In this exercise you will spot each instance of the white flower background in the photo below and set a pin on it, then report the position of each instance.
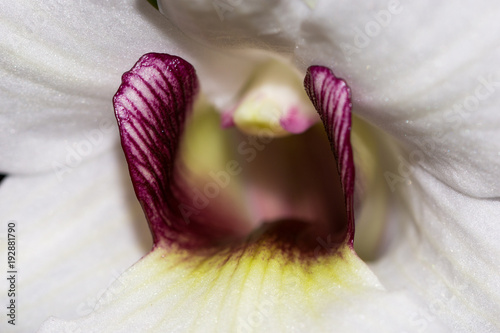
(425, 79)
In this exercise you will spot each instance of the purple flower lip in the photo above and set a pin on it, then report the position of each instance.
(152, 106)
(332, 99)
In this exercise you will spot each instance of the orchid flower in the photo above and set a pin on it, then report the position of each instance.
(418, 177)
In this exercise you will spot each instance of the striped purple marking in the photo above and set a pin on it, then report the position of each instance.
(332, 99)
(151, 107)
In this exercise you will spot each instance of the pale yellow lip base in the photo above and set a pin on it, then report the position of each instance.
(244, 291)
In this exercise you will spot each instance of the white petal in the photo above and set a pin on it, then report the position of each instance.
(448, 255)
(73, 238)
(61, 62)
